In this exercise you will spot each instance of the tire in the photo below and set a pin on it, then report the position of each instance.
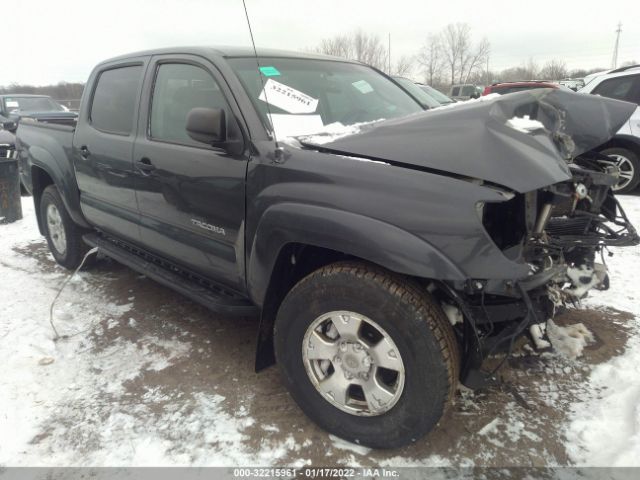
(628, 162)
(417, 328)
(61, 231)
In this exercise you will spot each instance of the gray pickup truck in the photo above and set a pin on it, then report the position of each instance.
(385, 253)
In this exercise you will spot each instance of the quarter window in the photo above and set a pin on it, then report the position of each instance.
(620, 88)
(115, 99)
(178, 89)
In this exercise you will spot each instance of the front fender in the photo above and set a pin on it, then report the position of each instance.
(353, 234)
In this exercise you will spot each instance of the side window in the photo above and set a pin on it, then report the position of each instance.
(635, 98)
(115, 99)
(620, 88)
(179, 88)
(467, 91)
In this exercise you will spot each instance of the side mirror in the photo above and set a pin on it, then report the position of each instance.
(207, 125)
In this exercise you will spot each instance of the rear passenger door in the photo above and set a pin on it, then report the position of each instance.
(191, 195)
(103, 147)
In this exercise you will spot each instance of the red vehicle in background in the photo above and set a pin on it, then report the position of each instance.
(510, 87)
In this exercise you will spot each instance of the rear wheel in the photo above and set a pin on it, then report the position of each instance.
(366, 354)
(629, 165)
(63, 236)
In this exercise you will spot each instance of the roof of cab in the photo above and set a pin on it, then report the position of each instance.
(227, 52)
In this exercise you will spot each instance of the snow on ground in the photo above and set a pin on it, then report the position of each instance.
(604, 428)
(73, 401)
(68, 387)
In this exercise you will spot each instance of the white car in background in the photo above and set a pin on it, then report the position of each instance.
(623, 149)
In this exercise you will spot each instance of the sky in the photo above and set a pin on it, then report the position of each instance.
(48, 41)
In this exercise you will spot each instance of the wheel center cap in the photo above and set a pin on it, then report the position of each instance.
(354, 360)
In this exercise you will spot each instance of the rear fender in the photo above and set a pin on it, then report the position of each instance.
(42, 161)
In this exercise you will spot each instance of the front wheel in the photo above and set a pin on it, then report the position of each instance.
(366, 354)
(629, 166)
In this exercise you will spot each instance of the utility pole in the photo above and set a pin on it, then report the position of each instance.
(614, 61)
(389, 53)
(488, 79)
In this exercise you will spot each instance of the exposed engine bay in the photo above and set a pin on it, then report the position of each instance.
(563, 233)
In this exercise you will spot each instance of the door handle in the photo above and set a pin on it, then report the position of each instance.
(84, 152)
(145, 165)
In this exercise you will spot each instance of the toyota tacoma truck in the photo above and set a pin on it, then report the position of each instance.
(385, 254)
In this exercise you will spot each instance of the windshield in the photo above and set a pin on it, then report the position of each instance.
(439, 96)
(416, 92)
(31, 104)
(306, 95)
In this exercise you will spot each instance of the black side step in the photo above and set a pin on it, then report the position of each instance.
(191, 285)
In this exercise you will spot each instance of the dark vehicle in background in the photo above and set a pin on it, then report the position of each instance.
(7, 144)
(385, 254)
(41, 108)
(503, 88)
(426, 100)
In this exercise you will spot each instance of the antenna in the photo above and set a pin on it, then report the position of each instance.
(266, 99)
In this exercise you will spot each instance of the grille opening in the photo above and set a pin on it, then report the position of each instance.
(506, 222)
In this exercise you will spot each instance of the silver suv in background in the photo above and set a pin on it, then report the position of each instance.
(624, 148)
(465, 91)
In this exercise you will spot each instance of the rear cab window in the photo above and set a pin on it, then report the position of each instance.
(115, 98)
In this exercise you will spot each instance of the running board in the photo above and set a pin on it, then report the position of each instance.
(189, 284)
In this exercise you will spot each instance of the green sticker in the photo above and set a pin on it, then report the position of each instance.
(269, 71)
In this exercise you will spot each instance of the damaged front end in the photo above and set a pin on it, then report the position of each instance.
(562, 232)
(554, 219)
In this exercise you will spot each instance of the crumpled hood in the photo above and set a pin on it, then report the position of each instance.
(475, 139)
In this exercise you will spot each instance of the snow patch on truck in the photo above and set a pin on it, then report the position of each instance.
(524, 124)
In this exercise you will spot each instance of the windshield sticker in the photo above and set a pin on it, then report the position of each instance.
(363, 86)
(287, 98)
(270, 71)
(12, 104)
(293, 125)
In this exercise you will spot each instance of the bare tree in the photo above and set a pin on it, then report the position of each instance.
(474, 61)
(339, 46)
(460, 56)
(554, 70)
(430, 58)
(527, 71)
(455, 38)
(369, 49)
(404, 66)
(359, 46)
